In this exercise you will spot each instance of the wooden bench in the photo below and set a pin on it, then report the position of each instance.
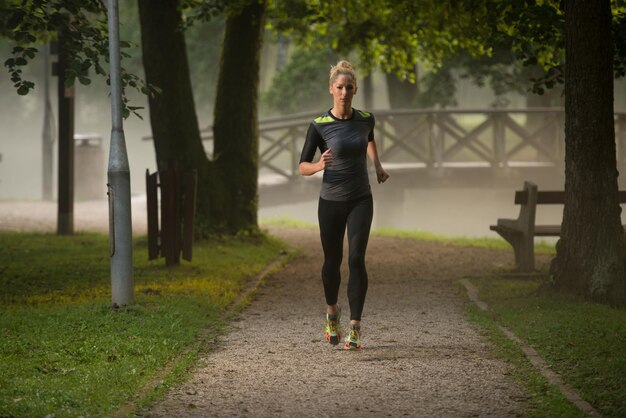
(520, 232)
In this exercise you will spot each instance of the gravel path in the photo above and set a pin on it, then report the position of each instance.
(92, 215)
(421, 358)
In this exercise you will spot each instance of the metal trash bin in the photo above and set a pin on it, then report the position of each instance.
(89, 170)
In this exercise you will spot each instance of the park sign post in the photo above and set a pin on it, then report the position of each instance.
(118, 174)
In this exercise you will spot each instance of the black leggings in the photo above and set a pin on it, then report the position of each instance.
(333, 219)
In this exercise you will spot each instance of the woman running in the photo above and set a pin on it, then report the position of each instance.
(344, 136)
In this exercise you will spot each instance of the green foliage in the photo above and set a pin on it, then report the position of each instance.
(619, 37)
(65, 352)
(202, 10)
(582, 341)
(392, 34)
(532, 34)
(304, 78)
(534, 31)
(20, 58)
(83, 27)
(207, 10)
(505, 36)
(437, 88)
(501, 72)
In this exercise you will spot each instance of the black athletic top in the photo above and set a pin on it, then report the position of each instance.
(346, 179)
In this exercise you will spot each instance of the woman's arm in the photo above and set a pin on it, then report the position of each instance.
(312, 143)
(372, 152)
(307, 169)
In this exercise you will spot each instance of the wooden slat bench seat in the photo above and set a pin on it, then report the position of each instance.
(520, 232)
(547, 230)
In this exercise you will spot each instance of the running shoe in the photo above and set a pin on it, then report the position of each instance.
(333, 328)
(353, 339)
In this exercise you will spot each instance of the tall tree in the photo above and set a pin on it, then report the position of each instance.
(227, 185)
(591, 252)
(235, 124)
(172, 112)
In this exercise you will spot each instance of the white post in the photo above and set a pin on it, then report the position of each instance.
(120, 224)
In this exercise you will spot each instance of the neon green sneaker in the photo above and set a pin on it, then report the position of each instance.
(353, 339)
(333, 328)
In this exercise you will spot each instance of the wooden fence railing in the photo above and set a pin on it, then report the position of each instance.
(414, 138)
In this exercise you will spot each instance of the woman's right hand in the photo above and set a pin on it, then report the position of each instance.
(308, 169)
(326, 160)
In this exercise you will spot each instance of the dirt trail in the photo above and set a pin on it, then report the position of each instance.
(92, 215)
(421, 357)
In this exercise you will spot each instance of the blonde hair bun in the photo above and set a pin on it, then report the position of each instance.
(344, 64)
(343, 67)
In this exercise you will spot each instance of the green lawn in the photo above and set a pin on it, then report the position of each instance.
(65, 352)
(584, 342)
(541, 247)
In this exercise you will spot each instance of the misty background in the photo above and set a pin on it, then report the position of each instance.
(292, 81)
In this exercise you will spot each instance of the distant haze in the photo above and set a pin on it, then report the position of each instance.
(451, 211)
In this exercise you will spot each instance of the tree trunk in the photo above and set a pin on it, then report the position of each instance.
(235, 126)
(590, 254)
(367, 90)
(66, 147)
(534, 121)
(402, 94)
(172, 112)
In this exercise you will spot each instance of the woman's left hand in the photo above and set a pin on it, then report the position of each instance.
(381, 175)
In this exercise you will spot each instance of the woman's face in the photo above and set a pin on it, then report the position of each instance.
(343, 89)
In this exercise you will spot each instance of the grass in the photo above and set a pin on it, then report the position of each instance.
(582, 341)
(65, 352)
(541, 247)
(287, 222)
(544, 399)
